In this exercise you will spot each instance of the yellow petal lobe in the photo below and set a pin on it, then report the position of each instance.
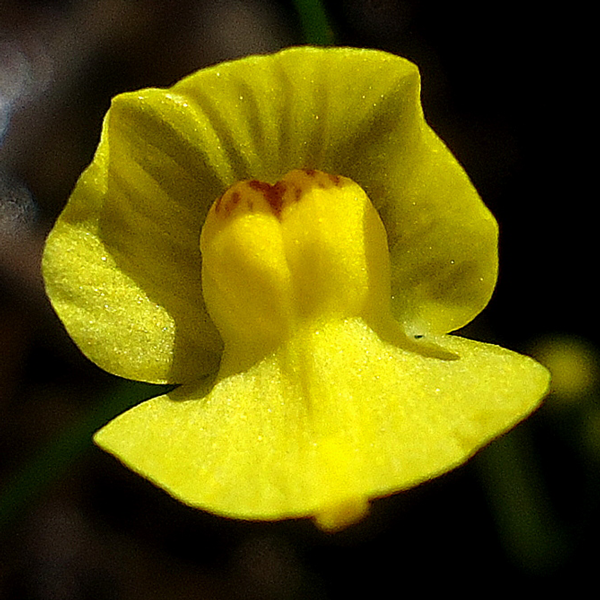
(332, 418)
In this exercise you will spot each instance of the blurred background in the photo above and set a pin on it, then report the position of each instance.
(506, 86)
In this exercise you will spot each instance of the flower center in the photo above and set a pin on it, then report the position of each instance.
(280, 257)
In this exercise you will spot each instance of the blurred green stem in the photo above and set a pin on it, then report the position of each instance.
(315, 25)
(528, 526)
(55, 458)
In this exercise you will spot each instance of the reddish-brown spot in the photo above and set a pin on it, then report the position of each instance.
(322, 179)
(260, 186)
(273, 194)
(232, 202)
(335, 179)
(227, 202)
(218, 204)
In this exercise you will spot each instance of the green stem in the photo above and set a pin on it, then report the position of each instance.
(526, 521)
(55, 458)
(315, 25)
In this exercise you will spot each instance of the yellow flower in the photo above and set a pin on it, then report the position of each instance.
(305, 314)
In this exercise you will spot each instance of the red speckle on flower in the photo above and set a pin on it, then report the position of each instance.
(273, 194)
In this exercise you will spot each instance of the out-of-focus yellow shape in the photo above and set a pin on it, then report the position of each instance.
(573, 363)
(304, 313)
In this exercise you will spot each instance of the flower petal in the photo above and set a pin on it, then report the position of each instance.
(123, 265)
(335, 416)
(357, 113)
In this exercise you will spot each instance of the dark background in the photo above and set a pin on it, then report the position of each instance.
(506, 86)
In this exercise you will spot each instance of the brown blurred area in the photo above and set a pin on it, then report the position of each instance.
(100, 532)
